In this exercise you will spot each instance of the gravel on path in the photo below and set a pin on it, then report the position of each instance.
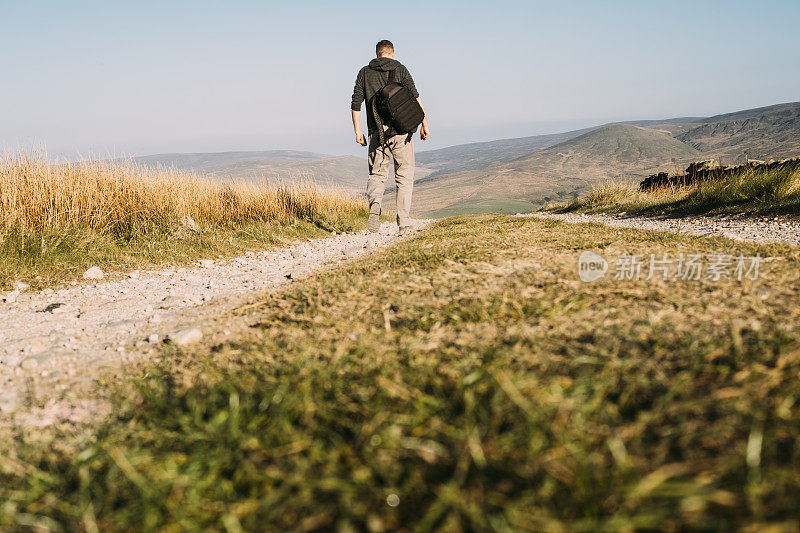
(760, 230)
(56, 341)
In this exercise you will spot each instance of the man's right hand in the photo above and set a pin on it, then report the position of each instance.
(360, 139)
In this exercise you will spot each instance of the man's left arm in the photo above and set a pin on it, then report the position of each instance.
(408, 81)
(423, 131)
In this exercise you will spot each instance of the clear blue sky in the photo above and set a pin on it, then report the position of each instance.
(114, 77)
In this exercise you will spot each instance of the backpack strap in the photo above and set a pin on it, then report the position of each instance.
(377, 116)
(378, 122)
(378, 119)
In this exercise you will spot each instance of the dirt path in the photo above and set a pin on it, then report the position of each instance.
(761, 230)
(55, 341)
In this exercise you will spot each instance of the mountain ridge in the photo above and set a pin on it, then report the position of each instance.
(493, 175)
(769, 132)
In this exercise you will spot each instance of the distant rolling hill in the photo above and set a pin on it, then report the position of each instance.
(510, 175)
(482, 154)
(489, 179)
(346, 172)
(618, 151)
(766, 133)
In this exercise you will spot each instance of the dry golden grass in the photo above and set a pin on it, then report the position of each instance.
(124, 199)
(755, 192)
(57, 220)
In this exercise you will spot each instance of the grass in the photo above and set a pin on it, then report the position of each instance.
(461, 380)
(57, 220)
(755, 192)
(466, 207)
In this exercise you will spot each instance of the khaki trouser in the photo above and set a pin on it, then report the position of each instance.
(402, 148)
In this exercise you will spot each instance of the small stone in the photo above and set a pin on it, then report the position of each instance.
(134, 275)
(153, 338)
(206, 263)
(11, 297)
(29, 364)
(190, 224)
(20, 286)
(93, 273)
(61, 308)
(296, 253)
(186, 336)
(52, 307)
(170, 301)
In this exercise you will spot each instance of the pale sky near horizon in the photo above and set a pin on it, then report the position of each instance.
(133, 78)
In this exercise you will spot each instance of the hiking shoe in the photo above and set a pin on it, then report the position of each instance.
(374, 220)
(404, 230)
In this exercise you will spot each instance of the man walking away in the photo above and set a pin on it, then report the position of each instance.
(385, 144)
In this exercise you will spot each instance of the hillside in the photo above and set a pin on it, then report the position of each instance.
(624, 150)
(347, 172)
(560, 171)
(621, 143)
(482, 154)
(765, 133)
(511, 175)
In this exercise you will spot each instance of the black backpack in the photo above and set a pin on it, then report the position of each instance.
(397, 108)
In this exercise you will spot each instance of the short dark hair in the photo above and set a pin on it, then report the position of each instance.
(384, 47)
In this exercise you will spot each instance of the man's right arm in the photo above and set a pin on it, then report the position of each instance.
(360, 139)
(355, 107)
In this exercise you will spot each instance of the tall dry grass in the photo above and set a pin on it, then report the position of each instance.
(126, 200)
(756, 191)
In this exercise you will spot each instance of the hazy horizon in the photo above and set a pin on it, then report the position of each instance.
(91, 78)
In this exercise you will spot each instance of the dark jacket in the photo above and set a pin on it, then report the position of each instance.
(372, 78)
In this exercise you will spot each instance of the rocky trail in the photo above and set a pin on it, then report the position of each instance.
(58, 341)
(760, 230)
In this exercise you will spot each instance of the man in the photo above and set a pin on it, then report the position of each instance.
(370, 80)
